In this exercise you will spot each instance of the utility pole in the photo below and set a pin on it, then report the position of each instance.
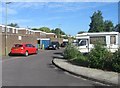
(6, 10)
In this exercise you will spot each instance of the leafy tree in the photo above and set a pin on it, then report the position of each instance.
(97, 23)
(45, 29)
(80, 32)
(13, 25)
(58, 32)
(34, 29)
(117, 28)
(108, 26)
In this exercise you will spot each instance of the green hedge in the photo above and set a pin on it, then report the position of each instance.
(99, 58)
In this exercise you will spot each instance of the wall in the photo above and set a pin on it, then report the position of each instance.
(60, 40)
(13, 39)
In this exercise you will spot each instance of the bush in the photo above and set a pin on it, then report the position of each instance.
(81, 60)
(116, 61)
(71, 52)
(99, 56)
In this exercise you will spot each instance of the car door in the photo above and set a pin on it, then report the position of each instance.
(83, 46)
(33, 49)
(28, 48)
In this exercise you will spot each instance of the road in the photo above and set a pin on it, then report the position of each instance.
(38, 70)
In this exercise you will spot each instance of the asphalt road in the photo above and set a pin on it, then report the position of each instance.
(38, 70)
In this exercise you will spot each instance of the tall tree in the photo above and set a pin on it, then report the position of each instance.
(117, 28)
(108, 26)
(97, 23)
(13, 25)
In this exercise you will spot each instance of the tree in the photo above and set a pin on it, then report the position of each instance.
(58, 32)
(117, 28)
(97, 23)
(13, 25)
(45, 29)
(35, 29)
(80, 32)
(108, 26)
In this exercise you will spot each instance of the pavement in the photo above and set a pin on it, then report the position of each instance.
(106, 77)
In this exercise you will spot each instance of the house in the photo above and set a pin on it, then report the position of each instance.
(51, 35)
(10, 30)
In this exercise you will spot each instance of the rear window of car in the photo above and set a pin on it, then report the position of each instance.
(18, 45)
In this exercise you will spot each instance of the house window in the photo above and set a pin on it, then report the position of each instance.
(112, 40)
(95, 39)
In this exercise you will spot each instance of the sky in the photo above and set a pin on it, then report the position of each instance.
(71, 17)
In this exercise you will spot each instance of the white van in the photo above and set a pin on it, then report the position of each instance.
(86, 41)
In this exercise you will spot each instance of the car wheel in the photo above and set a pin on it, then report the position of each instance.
(26, 53)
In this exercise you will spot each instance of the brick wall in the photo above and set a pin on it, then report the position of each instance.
(50, 36)
(13, 39)
(60, 40)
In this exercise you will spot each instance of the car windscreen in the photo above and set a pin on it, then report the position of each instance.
(18, 45)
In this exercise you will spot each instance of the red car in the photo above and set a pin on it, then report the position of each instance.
(24, 49)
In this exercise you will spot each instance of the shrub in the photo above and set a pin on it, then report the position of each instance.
(98, 56)
(116, 61)
(71, 52)
(82, 60)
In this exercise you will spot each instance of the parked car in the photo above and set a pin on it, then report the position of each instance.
(24, 49)
(54, 45)
(64, 44)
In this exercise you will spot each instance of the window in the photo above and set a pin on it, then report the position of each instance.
(18, 45)
(82, 43)
(112, 40)
(29, 45)
(95, 39)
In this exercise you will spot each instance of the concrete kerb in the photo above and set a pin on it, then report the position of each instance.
(89, 77)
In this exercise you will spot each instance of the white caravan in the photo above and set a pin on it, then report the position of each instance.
(86, 41)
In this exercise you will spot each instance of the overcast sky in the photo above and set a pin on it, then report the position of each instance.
(71, 17)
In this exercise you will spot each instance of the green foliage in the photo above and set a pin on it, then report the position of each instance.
(81, 60)
(97, 23)
(116, 61)
(96, 56)
(45, 29)
(117, 28)
(13, 25)
(80, 32)
(71, 52)
(108, 26)
(58, 32)
(99, 57)
(34, 29)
